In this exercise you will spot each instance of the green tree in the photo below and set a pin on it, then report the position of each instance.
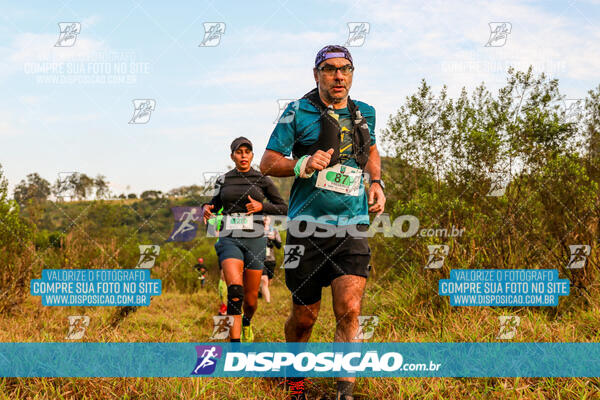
(192, 191)
(84, 186)
(151, 194)
(446, 154)
(77, 185)
(16, 251)
(101, 185)
(33, 188)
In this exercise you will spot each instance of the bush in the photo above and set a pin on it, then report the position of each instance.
(17, 252)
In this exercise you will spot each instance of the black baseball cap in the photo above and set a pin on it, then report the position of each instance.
(241, 141)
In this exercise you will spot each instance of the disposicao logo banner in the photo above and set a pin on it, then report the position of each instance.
(299, 359)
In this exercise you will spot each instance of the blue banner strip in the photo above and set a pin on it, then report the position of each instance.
(95, 287)
(296, 359)
(504, 287)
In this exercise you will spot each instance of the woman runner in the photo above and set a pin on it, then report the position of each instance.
(241, 245)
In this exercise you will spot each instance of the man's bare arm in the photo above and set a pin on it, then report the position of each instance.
(373, 166)
(376, 198)
(275, 164)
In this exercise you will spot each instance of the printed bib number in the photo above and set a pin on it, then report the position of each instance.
(269, 251)
(238, 221)
(340, 178)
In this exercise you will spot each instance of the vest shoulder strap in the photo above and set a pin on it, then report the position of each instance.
(329, 137)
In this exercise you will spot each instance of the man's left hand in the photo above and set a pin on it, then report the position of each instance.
(376, 198)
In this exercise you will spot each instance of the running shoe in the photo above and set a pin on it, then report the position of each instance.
(223, 309)
(295, 388)
(247, 334)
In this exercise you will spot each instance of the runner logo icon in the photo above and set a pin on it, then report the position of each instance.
(207, 359)
(148, 254)
(357, 33)
(68, 34)
(291, 255)
(499, 32)
(221, 326)
(142, 110)
(579, 255)
(212, 34)
(437, 254)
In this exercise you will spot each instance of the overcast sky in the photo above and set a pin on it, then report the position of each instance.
(67, 108)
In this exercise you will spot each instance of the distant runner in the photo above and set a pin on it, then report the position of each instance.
(273, 240)
(201, 270)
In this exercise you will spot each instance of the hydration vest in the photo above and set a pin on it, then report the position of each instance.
(330, 135)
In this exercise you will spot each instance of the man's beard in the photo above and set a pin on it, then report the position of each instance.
(336, 100)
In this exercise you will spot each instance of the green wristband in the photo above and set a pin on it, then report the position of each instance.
(298, 165)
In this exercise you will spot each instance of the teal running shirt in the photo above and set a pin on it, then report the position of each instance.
(300, 122)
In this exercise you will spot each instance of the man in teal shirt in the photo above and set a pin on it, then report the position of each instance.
(332, 141)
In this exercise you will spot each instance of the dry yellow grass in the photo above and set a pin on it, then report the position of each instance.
(414, 313)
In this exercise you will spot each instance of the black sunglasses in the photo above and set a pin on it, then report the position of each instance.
(331, 70)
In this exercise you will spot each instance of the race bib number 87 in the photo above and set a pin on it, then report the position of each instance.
(340, 178)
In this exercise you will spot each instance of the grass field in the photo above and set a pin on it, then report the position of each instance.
(415, 313)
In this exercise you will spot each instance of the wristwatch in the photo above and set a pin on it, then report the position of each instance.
(378, 181)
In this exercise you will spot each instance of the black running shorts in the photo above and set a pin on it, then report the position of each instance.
(324, 259)
(269, 269)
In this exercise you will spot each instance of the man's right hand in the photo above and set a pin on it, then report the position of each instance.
(319, 161)
(207, 213)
